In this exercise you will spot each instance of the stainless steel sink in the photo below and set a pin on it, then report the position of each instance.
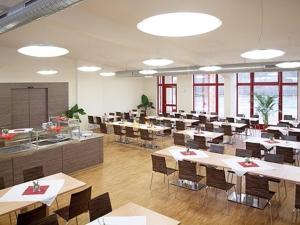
(49, 142)
(13, 149)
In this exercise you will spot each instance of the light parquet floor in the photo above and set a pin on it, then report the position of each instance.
(126, 172)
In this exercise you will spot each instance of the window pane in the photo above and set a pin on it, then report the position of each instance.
(220, 79)
(290, 77)
(289, 100)
(244, 100)
(268, 91)
(266, 77)
(243, 77)
(221, 100)
(205, 98)
(205, 78)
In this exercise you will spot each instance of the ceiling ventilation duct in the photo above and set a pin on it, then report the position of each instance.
(30, 10)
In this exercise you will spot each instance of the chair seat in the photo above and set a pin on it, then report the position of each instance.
(63, 213)
(198, 178)
(170, 171)
(274, 180)
(148, 139)
(133, 136)
(268, 196)
(225, 187)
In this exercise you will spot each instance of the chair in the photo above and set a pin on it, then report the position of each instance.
(145, 136)
(275, 158)
(228, 131)
(130, 133)
(2, 184)
(180, 125)
(230, 119)
(215, 178)
(216, 148)
(98, 120)
(202, 112)
(177, 115)
(288, 117)
(240, 115)
(220, 139)
(287, 152)
(266, 135)
(201, 141)
(111, 114)
(118, 131)
(33, 173)
(79, 204)
(181, 111)
(159, 166)
(289, 138)
(49, 220)
(142, 120)
(179, 139)
(99, 206)
(187, 171)
(32, 216)
(91, 121)
(255, 148)
(103, 128)
(189, 116)
(126, 115)
(283, 124)
(258, 187)
(209, 127)
(202, 119)
(277, 134)
(297, 203)
(295, 133)
(119, 114)
(254, 124)
(193, 112)
(192, 144)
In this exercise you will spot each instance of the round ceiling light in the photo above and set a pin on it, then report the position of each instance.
(262, 54)
(288, 65)
(88, 68)
(43, 51)
(179, 24)
(107, 74)
(47, 72)
(158, 62)
(148, 72)
(210, 68)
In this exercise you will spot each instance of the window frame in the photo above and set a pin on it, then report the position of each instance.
(161, 99)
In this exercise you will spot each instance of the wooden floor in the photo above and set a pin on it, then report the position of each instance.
(126, 172)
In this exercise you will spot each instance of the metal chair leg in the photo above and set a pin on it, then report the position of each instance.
(168, 185)
(10, 219)
(271, 217)
(151, 181)
(76, 221)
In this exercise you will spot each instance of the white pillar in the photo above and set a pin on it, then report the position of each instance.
(229, 94)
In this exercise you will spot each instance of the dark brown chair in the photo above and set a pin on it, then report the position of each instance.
(258, 187)
(159, 166)
(215, 178)
(216, 148)
(111, 114)
(202, 119)
(179, 139)
(145, 136)
(187, 171)
(228, 131)
(266, 135)
(119, 114)
(288, 117)
(277, 134)
(240, 115)
(79, 204)
(118, 132)
(193, 111)
(209, 127)
(177, 115)
(99, 206)
(287, 152)
(91, 120)
(126, 115)
(180, 125)
(243, 153)
(275, 158)
(297, 203)
(103, 128)
(189, 116)
(294, 133)
(49, 220)
(32, 216)
(230, 119)
(202, 142)
(130, 134)
(33, 173)
(2, 184)
(98, 120)
(192, 144)
(255, 148)
(289, 138)
(142, 120)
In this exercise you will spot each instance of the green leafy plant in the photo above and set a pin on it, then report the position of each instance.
(75, 112)
(145, 103)
(265, 106)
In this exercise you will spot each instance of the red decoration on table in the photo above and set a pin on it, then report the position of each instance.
(189, 153)
(272, 142)
(7, 137)
(57, 129)
(60, 118)
(30, 191)
(248, 164)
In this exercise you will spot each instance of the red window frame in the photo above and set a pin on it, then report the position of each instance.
(215, 84)
(162, 98)
(279, 83)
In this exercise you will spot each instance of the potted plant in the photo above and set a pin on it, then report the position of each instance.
(145, 103)
(265, 106)
(75, 112)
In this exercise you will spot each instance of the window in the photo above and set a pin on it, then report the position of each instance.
(166, 94)
(209, 93)
(282, 85)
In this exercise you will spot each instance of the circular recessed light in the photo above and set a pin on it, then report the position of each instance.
(262, 54)
(88, 68)
(108, 74)
(288, 65)
(47, 72)
(179, 24)
(148, 72)
(210, 68)
(43, 51)
(158, 62)
(148, 76)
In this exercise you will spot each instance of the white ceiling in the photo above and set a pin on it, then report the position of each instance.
(104, 32)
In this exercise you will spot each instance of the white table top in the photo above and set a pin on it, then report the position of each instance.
(292, 122)
(280, 171)
(236, 125)
(186, 121)
(277, 142)
(206, 134)
(283, 130)
(139, 126)
(249, 118)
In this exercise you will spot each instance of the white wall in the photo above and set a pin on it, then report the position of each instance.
(185, 93)
(229, 94)
(18, 68)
